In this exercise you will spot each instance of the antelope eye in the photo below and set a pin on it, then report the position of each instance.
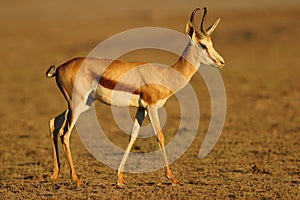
(202, 45)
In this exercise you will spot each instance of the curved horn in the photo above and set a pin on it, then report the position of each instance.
(193, 22)
(203, 30)
(213, 27)
(193, 15)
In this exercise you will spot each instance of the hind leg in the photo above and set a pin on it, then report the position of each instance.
(65, 140)
(56, 126)
(72, 117)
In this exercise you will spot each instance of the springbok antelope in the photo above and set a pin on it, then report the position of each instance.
(137, 91)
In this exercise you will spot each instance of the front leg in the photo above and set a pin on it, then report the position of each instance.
(139, 117)
(153, 115)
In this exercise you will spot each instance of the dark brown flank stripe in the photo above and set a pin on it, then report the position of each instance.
(113, 85)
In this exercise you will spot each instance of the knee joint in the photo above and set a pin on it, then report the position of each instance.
(160, 138)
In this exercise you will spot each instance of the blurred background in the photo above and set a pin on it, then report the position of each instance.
(260, 43)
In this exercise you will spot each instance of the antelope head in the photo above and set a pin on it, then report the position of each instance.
(202, 40)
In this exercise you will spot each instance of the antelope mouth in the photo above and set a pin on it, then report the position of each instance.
(221, 64)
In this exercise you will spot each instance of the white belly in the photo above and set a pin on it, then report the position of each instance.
(118, 98)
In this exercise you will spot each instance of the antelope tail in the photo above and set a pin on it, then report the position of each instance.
(51, 74)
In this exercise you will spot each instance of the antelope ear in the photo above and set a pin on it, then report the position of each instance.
(211, 29)
(189, 29)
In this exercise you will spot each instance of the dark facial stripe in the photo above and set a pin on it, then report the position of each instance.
(211, 56)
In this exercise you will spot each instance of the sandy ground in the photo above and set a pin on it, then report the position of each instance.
(257, 155)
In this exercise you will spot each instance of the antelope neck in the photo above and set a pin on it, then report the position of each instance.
(189, 61)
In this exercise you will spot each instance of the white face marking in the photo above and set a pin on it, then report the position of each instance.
(205, 57)
(208, 54)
